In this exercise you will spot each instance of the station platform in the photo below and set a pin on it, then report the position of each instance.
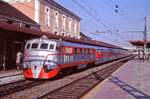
(131, 81)
(10, 76)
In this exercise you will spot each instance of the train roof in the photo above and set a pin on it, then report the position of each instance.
(74, 42)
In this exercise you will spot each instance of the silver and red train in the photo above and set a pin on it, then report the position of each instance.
(45, 58)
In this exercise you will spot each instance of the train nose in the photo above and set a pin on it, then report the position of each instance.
(35, 67)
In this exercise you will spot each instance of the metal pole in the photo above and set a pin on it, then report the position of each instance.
(145, 37)
(4, 65)
(4, 55)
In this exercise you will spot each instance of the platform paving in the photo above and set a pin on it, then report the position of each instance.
(10, 76)
(131, 81)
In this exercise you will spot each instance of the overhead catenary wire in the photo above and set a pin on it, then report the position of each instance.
(121, 9)
(88, 12)
(82, 7)
(98, 15)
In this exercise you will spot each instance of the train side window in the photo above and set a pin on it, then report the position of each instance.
(93, 51)
(44, 46)
(34, 45)
(89, 51)
(85, 51)
(51, 46)
(81, 50)
(78, 50)
(28, 46)
(75, 50)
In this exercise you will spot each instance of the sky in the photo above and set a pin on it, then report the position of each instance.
(112, 21)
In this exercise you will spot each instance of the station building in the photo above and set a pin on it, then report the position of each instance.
(52, 17)
(139, 44)
(21, 20)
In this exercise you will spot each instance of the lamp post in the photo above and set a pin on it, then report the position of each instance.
(145, 38)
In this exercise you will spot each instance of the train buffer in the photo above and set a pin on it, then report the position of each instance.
(131, 81)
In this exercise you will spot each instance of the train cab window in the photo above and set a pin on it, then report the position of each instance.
(58, 48)
(44, 46)
(34, 45)
(28, 46)
(51, 46)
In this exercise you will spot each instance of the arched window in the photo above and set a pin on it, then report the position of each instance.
(56, 22)
(63, 24)
(47, 16)
(69, 25)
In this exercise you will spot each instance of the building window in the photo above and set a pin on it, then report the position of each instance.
(63, 24)
(69, 25)
(37, 11)
(56, 22)
(47, 16)
(75, 26)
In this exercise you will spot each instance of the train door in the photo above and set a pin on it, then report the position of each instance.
(82, 59)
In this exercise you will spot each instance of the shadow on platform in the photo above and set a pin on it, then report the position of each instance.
(137, 94)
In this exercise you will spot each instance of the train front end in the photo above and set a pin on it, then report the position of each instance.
(41, 59)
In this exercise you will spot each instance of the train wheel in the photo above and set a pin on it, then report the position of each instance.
(70, 70)
(82, 66)
(91, 65)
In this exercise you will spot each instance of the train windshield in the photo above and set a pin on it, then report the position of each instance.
(51, 46)
(42, 46)
(34, 45)
(28, 46)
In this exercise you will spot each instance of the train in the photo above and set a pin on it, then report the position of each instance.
(45, 58)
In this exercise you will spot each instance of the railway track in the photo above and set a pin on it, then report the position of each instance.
(68, 88)
(79, 87)
(10, 75)
(18, 86)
